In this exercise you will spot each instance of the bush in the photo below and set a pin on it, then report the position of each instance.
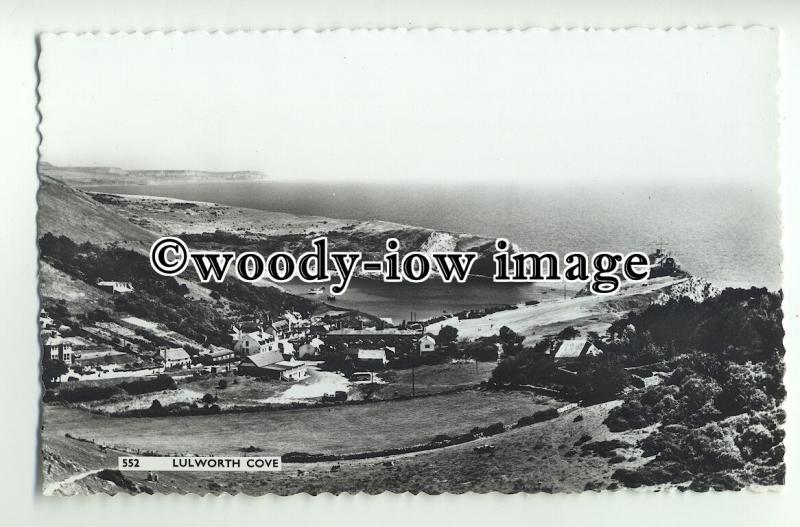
(483, 350)
(604, 448)
(527, 366)
(158, 384)
(601, 380)
(447, 335)
(80, 393)
(568, 333)
(537, 417)
(493, 429)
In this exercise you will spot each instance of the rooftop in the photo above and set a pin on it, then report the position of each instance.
(372, 332)
(175, 354)
(261, 360)
(574, 349)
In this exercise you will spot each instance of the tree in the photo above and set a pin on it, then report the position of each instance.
(511, 342)
(601, 379)
(52, 369)
(447, 335)
(526, 367)
(568, 333)
(481, 350)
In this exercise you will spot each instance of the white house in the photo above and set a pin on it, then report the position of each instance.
(375, 358)
(58, 348)
(575, 350)
(287, 349)
(115, 287)
(175, 357)
(252, 342)
(295, 320)
(426, 344)
(281, 329)
(220, 355)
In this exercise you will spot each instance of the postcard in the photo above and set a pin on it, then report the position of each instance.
(426, 261)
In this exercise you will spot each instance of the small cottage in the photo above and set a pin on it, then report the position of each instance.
(271, 364)
(426, 344)
(115, 287)
(175, 358)
(575, 351)
(252, 342)
(371, 359)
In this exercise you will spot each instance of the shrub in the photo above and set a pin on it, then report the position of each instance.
(493, 429)
(601, 380)
(158, 384)
(568, 333)
(603, 448)
(447, 335)
(537, 417)
(757, 440)
(80, 392)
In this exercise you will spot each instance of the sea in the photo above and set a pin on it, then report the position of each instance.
(729, 235)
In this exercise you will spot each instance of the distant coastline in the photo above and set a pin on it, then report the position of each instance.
(90, 176)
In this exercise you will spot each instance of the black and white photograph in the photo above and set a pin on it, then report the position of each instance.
(540, 149)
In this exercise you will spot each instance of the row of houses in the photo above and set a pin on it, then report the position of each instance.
(422, 343)
(272, 364)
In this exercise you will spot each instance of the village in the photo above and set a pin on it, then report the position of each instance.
(338, 355)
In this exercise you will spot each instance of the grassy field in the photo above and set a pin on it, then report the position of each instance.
(240, 391)
(435, 378)
(544, 457)
(345, 429)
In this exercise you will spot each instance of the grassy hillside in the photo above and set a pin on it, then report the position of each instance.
(72, 213)
(313, 430)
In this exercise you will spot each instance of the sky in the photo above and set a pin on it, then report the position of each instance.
(536, 106)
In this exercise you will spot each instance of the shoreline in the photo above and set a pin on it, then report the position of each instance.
(385, 223)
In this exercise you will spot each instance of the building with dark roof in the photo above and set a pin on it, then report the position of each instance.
(271, 364)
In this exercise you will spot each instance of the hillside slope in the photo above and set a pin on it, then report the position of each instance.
(72, 213)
